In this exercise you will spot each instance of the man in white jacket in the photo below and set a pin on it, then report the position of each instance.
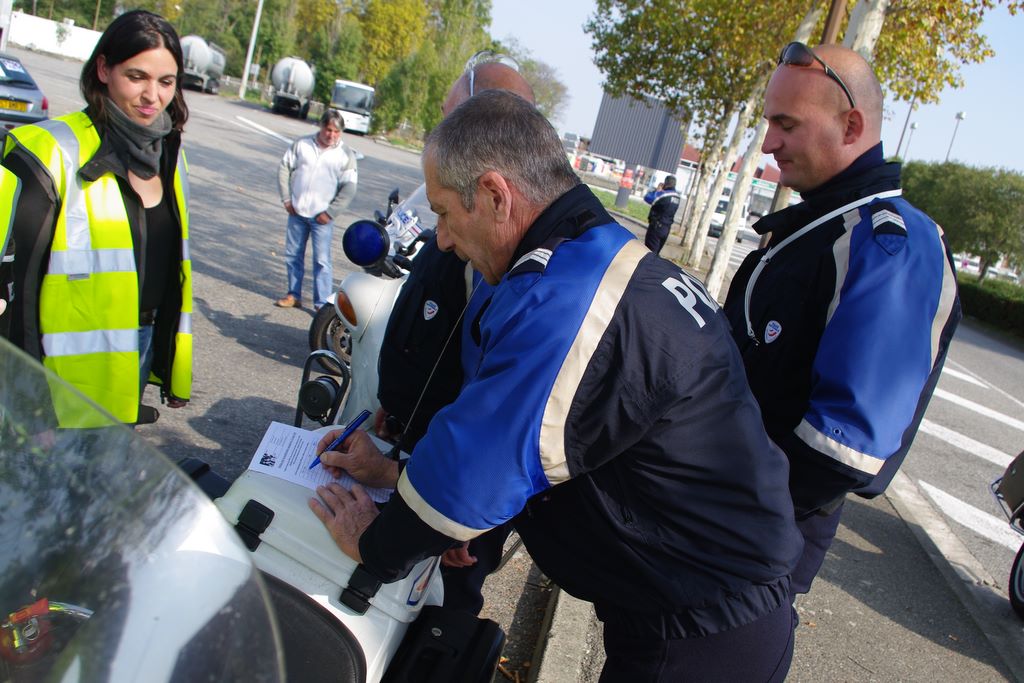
(317, 180)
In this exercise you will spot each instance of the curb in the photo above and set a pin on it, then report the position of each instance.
(968, 579)
(561, 648)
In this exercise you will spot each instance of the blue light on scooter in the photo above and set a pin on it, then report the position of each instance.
(365, 243)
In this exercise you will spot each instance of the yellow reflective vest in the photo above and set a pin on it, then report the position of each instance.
(89, 295)
(10, 188)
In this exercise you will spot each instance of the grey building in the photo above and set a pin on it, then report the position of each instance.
(638, 133)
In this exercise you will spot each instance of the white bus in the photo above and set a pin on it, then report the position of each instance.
(355, 102)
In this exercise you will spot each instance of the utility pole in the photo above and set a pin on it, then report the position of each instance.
(835, 17)
(248, 54)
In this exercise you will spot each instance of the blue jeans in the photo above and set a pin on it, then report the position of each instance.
(299, 230)
(145, 356)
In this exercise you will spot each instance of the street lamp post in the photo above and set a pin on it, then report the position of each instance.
(910, 111)
(248, 55)
(906, 152)
(960, 116)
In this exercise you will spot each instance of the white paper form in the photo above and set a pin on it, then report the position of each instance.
(286, 452)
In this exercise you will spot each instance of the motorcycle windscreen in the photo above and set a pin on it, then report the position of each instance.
(419, 205)
(114, 566)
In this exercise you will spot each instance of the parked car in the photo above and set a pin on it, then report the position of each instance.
(718, 218)
(1007, 274)
(965, 263)
(743, 233)
(21, 100)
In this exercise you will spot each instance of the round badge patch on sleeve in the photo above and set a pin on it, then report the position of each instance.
(429, 310)
(772, 331)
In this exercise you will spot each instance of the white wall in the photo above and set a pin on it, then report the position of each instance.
(54, 37)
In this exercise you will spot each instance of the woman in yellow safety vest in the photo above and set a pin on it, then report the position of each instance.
(97, 204)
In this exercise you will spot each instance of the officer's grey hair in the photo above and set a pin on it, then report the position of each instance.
(496, 130)
(332, 116)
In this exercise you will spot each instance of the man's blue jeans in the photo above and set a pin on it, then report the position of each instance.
(299, 230)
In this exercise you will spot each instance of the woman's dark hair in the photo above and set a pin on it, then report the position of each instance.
(128, 35)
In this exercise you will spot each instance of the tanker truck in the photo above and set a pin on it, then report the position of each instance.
(293, 84)
(204, 64)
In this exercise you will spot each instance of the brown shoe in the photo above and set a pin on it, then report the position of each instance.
(288, 301)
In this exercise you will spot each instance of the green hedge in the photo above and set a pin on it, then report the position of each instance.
(998, 303)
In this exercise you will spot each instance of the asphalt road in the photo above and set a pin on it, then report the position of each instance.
(973, 427)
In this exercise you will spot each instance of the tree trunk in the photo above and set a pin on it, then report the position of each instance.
(709, 158)
(746, 111)
(684, 126)
(865, 26)
(740, 191)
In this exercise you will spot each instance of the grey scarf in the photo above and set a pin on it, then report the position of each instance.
(139, 147)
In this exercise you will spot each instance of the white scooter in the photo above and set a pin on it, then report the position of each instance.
(345, 338)
(116, 568)
(402, 224)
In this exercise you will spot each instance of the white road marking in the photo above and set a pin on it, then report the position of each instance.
(964, 376)
(992, 388)
(264, 130)
(991, 527)
(980, 409)
(966, 443)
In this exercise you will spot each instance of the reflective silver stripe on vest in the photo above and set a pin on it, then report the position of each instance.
(96, 341)
(183, 179)
(76, 216)
(185, 323)
(183, 175)
(96, 261)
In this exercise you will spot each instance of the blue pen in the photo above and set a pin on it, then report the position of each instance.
(352, 426)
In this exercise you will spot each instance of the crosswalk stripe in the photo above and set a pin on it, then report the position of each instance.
(991, 527)
(966, 443)
(980, 409)
(964, 376)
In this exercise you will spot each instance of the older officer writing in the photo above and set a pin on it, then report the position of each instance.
(608, 417)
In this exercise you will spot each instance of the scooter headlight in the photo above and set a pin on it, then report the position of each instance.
(365, 243)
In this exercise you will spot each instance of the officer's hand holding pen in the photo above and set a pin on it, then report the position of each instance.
(340, 438)
(361, 459)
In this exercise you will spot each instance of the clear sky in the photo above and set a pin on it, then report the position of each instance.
(992, 97)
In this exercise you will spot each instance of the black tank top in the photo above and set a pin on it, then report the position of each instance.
(160, 254)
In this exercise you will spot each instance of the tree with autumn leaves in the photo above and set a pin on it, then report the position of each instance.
(981, 210)
(409, 50)
(705, 58)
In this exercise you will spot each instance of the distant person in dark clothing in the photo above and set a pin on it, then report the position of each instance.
(664, 202)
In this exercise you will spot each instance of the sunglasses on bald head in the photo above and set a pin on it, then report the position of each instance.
(487, 57)
(798, 54)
